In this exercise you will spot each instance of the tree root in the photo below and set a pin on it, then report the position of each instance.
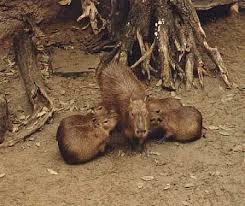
(178, 38)
(90, 11)
(41, 104)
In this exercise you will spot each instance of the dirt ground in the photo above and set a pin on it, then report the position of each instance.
(207, 172)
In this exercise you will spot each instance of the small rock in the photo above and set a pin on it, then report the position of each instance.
(188, 185)
(185, 203)
(2, 175)
(52, 172)
(147, 178)
(167, 187)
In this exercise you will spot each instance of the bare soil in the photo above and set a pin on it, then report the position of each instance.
(207, 172)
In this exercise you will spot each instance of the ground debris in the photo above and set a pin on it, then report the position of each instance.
(2, 175)
(52, 172)
(147, 178)
(167, 186)
(185, 203)
(189, 185)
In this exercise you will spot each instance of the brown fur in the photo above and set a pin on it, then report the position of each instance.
(183, 124)
(159, 106)
(4, 121)
(81, 138)
(124, 93)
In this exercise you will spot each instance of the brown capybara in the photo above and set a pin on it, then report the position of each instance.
(159, 106)
(122, 92)
(81, 138)
(4, 118)
(182, 125)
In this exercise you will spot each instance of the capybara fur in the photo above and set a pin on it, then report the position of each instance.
(182, 125)
(4, 117)
(159, 106)
(123, 92)
(82, 137)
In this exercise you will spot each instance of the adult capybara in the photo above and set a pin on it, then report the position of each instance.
(82, 137)
(123, 92)
(4, 117)
(182, 125)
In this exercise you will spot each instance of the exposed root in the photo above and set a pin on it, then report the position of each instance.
(189, 15)
(189, 70)
(146, 67)
(179, 36)
(41, 104)
(90, 11)
(165, 58)
(146, 56)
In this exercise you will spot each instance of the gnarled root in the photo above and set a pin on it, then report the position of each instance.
(178, 38)
(90, 11)
(41, 104)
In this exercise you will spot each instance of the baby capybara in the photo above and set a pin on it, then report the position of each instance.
(4, 121)
(182, 125)
(159, 106)
(82, 137)
(122, 92)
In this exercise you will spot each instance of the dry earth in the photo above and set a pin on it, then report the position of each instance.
(208, 172)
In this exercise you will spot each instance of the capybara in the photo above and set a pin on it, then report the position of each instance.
(182, 125)
(4, 117)
(122, 92)
(159, 106)
(82, 137)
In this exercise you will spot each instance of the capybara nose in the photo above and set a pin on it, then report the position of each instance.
(141, 132)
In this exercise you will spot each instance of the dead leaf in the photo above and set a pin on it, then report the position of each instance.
(224, 133)
(213, 127)
(155, 153)
(193, 177)
(2, 175)
(188, 185)
(167, 187)
(65, 2)
(159, 83)
(38, 144)
(185, 203)
(140, 185)
(52, 172)
(43, 112)
(147, 178)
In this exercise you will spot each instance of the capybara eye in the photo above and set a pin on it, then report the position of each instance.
(158, 111)
(100, 108)
(106, 121)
